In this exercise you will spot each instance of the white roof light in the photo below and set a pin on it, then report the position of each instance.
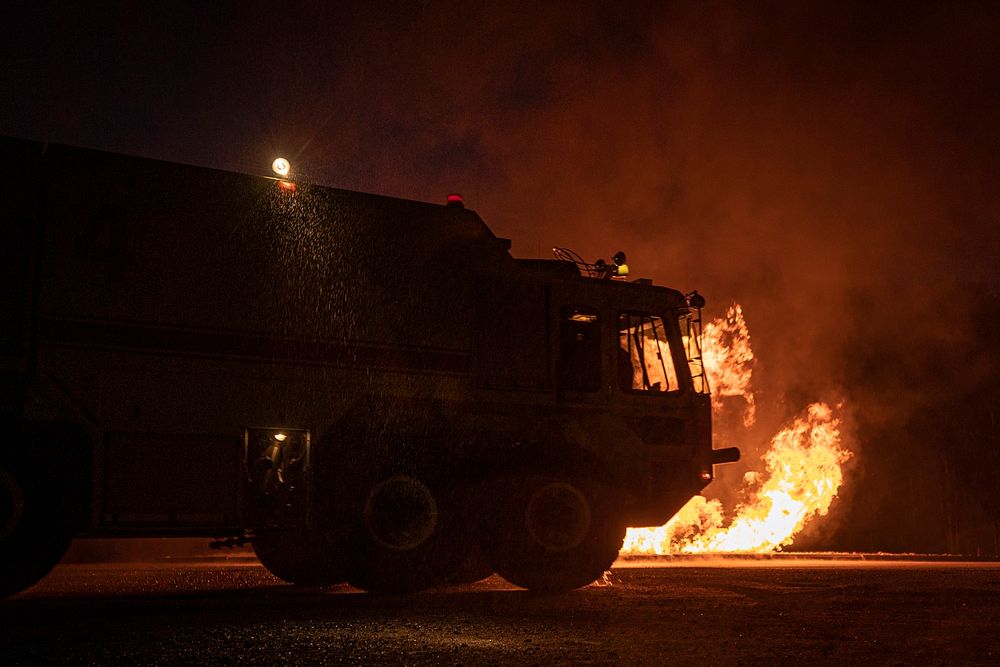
(281, 166)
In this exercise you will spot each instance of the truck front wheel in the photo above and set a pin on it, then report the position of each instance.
(555, 534)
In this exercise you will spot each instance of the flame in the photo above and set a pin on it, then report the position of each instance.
(802, 467)
(728, 359)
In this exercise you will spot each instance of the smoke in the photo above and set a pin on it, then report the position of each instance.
(831, 168)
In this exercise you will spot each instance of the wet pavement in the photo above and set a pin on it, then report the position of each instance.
(687, 612)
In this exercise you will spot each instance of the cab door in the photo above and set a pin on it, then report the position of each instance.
(580, 348)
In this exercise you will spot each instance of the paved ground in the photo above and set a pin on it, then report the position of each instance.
(698, 613)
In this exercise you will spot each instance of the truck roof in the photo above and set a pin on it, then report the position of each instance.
(141, 240)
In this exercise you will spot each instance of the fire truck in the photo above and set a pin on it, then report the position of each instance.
(365, 389)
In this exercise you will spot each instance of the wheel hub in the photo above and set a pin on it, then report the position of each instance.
(558, 516)
(401, 513)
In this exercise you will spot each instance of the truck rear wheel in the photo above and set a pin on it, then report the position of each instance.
(555, 534)
(36, 528)
(410, 535)
(299, 557)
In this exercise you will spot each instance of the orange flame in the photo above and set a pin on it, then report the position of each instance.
(728, 358)
(802, 467)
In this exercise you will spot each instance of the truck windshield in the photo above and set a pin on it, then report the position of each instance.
(691, 337)
(644, 361)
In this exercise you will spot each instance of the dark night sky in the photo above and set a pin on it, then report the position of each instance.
(831, 166)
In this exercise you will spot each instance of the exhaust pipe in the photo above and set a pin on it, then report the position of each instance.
(726, 455)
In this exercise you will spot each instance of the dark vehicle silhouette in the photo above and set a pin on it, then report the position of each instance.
(366, 389)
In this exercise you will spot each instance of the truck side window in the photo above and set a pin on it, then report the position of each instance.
(579, 349)
(644, 361)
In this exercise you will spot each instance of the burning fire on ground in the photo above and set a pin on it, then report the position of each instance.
(802, 467)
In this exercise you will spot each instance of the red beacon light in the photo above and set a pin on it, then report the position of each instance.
(455, 200)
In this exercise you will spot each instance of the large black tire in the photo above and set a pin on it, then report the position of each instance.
(411, 533)
(40, 498)
(300, 557)
(554, 534)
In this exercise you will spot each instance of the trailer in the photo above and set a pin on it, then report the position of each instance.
(364, 388)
